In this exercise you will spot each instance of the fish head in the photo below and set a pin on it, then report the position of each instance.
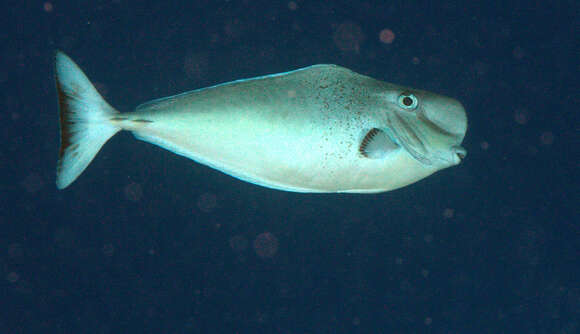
(430, 127)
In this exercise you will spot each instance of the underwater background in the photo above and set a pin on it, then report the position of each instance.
(146, 241)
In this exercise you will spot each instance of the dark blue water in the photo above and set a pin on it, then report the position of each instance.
(149, 242)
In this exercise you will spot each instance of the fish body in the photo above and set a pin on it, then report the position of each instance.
(323, 128)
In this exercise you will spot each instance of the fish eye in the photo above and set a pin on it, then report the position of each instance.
(408, 101)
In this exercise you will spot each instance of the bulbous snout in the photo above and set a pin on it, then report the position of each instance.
(448, 114)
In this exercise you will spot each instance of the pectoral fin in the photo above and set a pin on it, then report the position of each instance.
(376, 144)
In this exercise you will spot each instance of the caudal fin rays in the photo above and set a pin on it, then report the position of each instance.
(85, 120)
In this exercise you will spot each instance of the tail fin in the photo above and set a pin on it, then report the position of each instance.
(85, 123)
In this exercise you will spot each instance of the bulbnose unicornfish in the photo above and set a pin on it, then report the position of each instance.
(322, 128)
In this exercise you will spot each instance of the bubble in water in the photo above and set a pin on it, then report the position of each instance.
(266, 245)
(387, 36)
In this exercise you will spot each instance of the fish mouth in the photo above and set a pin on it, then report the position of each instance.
(459, 151)
(420, 138)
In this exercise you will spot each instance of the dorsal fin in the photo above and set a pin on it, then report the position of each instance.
(159, 104)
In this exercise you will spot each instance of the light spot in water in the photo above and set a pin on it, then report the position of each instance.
(416, 61)
(532, 150)
(102, 88)
(207, 202)
(266, 245)
(191, 323)
(48, 7)
(108, 249)
(238, 243)
(64, 237)
(214, 38)
(233, 28)
(521, 116)
(480, 68)
(133, 192)
(484, 145)
(518, 53)
(547, 138)
(195, 65)
(387, 36)
(348, 36)
(292, 5)
(428, 321)
(12, 277)
(32, 183)
(448, 213)
(15, 250)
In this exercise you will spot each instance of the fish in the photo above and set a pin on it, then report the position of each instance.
(318, 129)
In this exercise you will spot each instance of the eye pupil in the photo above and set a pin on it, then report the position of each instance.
(407, 101)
